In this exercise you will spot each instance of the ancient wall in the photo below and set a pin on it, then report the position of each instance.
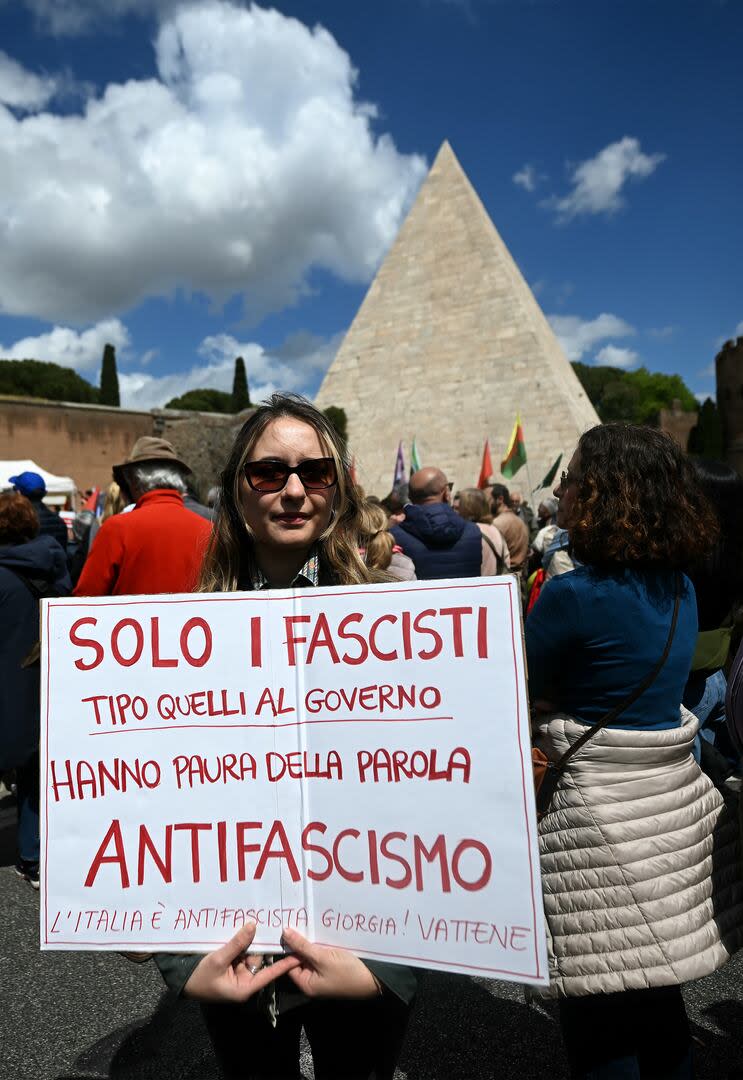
(86, 441)
(81, 441)
(677, 423)
(202, 440)
(729, 371)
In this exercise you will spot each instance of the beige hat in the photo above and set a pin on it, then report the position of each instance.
(149, 448)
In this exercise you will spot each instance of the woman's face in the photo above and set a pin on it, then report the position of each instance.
(566, 493)
(292, 518)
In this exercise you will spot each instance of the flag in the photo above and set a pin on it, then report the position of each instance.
(550, 477)
(399, 467)
(486, 469)
(415, 462)
(91, 503)
(516, 452)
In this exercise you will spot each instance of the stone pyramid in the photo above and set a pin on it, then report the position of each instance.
(448, 346)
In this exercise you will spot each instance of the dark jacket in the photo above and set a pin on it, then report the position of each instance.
(50, 524)
(176, 968)
(440, 542)
(41, 561)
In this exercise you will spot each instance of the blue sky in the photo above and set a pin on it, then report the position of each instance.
(194, 181)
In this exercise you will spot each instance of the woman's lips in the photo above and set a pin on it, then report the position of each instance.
(291, 519)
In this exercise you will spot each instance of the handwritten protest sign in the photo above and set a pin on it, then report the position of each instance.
(352, 762)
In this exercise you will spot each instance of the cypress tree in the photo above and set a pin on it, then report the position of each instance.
(109, 391)
(240, 394)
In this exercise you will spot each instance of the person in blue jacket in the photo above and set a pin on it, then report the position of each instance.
(32, 565)
(636, 517)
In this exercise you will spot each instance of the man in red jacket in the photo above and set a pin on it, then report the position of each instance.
(159, 546)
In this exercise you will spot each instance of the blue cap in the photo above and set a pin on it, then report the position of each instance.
(28, 483)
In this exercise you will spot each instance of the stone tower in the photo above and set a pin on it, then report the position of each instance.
(729, 372)
(448, 346)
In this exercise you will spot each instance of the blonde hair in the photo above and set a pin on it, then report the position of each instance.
(229, 561)
(375, 536)
(113, 502)
(473, 505)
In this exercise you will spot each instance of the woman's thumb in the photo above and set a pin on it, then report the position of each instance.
(296, 943)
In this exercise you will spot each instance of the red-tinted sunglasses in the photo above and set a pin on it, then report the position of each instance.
(316, 474)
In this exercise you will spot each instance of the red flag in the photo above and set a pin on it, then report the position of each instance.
(486, 469)
(91, 503)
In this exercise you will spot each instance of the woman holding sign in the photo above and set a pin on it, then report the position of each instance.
(288, 517)
(639, 855)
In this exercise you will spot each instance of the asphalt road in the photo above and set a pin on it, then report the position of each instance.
(89, 1016)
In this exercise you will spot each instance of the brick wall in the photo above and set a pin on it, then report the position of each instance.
(85, 441)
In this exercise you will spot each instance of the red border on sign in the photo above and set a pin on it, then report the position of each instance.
(315, 594)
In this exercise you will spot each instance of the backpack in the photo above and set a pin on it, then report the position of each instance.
(734, 701)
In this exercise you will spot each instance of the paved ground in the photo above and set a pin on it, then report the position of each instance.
(83, 1016)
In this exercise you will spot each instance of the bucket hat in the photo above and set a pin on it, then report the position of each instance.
(149, 448)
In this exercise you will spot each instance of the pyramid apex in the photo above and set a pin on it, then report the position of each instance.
(445, 154)
(450, 344)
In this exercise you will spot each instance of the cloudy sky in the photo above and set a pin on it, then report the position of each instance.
(191, 181)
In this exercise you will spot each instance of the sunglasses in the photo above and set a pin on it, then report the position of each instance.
(567, 478)
(316, 474)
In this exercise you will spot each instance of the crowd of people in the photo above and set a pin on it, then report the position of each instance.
(631, 574)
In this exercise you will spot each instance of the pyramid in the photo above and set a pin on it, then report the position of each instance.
(448, 346)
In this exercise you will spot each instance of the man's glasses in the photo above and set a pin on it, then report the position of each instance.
(316, 474)
(567, 478)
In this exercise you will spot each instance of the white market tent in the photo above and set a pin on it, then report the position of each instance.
(58, 488)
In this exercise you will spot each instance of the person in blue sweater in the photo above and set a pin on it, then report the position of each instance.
(32, 565)
(636, 517)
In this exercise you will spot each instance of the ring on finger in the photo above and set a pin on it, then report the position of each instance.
(254, 968)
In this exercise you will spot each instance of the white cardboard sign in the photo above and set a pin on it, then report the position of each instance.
(352, 762)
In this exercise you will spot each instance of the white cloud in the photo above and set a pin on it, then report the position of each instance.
(614, 356)
(298, 365)
(526, 177)
(738, 332)
(704, 394)
(662, 333)
(577, 336)
(598, 182)
(69, 17)
(20, 88)
(244, 165)
(62, 345)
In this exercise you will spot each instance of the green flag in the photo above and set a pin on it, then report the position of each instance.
(415, 463)
(550, 477)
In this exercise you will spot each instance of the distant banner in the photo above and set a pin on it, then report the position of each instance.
(352, 762)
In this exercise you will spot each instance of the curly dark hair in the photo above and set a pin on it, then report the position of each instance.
(639, 501)
(18, 520)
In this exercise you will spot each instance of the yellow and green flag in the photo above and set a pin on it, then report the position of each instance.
(516, 453)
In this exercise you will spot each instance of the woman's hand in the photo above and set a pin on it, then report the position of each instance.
(225, 975)
(322, 971)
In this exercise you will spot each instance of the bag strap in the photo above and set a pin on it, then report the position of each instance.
(500, 563)
(644, 685)
(40, 588)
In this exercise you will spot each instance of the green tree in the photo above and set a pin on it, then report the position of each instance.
(202, 400)
(634, 396)
(109, 391)
(338, 420)
(240, 393)
(40, 379)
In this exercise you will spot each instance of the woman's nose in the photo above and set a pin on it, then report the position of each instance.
(294, 487)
